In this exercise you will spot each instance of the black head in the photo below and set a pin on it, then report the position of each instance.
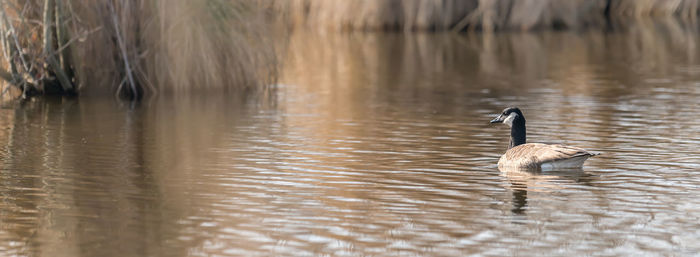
(514, 118)
(509, 115)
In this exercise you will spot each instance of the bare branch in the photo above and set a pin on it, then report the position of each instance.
(122, 48)
(7, 76)
(49, 9)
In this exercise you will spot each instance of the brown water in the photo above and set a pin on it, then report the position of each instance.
(375, 145)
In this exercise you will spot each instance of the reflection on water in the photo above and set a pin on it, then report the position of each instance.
(376, 144)
(522, 181)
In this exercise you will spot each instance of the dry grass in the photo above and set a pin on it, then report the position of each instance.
(135, 47)
(487, 15)
(212, 45)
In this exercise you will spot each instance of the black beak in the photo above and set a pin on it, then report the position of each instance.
(498, 119)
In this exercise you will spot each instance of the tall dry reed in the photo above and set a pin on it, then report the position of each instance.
(487, 15)
(135, 47)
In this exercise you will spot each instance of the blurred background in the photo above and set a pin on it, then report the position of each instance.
(346, 128)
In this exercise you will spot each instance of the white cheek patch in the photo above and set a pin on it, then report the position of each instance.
(510, 118)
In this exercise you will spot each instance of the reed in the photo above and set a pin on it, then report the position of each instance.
(486, 15)
(134, 47)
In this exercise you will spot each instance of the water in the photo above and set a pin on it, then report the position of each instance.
(374, 144)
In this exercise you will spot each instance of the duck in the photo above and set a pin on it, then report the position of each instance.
(538, 156)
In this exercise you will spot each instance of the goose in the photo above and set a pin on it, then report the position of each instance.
(521, 155)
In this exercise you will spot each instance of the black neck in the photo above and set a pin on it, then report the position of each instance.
(517, 133)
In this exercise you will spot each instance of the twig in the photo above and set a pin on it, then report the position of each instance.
(73, 39)
(119, 88)
(7, 76)
(14, 36)
(122, 48)
(148, 83)
(49, 9)
(4, 91)
(62, 39)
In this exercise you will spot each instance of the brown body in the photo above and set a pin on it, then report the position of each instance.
(543, 156)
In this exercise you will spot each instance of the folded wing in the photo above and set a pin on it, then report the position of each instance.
(536, 155)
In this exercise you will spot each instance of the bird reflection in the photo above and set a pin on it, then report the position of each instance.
(522, 181)
(519, 198)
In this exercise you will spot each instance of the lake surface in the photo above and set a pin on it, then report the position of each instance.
(375, 145)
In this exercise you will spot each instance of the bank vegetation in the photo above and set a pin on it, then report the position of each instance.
(477, 15)
(132, 48)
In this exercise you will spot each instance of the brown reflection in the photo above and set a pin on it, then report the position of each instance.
(366, 66)
(72, 171)
(91, 177)
(523, 181)
(519, 197)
